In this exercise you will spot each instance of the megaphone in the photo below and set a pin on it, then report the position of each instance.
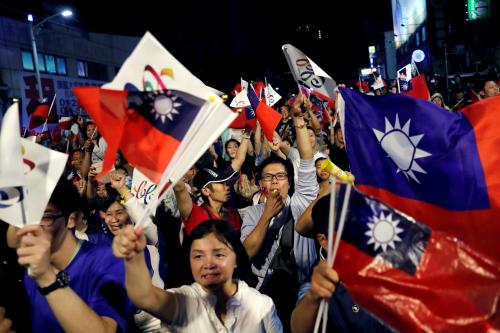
(418, 56)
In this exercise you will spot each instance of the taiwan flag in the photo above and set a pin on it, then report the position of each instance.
(441, 168)
(147, 126)
(410, 276)
(156, 112)
(41, 112)
(416, 87)
(268, 117)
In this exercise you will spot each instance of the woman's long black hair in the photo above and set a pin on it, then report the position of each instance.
(227, 235)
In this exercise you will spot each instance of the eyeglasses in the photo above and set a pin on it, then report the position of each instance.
(49, 219)
(267, 177)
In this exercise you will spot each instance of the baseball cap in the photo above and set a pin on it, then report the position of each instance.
(208, 176)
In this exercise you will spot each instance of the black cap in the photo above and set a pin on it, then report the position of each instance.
(207, 176)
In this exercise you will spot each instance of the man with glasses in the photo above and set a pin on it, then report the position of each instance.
(73, 286)
(264, 224)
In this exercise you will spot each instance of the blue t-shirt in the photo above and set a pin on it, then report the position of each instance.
(98, 277)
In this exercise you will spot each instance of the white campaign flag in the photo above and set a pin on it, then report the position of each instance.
(244, 84)
(151, 67)
(306, 72)
(142, 188)
(11, 171)
(378, 84)
(151, 63)
(241, 99)
(12, 192)
(37, 168)
(42, 169)
(272, 97)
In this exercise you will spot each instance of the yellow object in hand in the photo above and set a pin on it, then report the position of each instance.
(336, 172)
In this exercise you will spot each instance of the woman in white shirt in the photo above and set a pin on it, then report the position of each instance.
(218, 301)
(99, 145)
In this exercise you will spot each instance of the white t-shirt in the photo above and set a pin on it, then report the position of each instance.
(294, 157)
(75, 129)
(99, 150)
(248, 311)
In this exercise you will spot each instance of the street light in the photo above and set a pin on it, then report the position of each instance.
(33, 32)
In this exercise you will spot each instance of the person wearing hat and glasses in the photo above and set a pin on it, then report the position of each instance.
(212, 185)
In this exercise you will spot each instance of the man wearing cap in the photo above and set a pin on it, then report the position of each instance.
(215, 192)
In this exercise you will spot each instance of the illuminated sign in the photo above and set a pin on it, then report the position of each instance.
(407, 16)
(478, 9)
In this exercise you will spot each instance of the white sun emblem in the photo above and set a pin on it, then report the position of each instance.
(383, 231)
(164, 106)
(401, 147)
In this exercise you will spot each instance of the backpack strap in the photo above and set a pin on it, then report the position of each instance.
(287, 233)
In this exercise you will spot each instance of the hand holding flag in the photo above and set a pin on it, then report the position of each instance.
(310, 75)
(155, 111)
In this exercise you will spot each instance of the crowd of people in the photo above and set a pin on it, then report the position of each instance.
(238, 245)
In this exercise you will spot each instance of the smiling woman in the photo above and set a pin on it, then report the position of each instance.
(219, 299)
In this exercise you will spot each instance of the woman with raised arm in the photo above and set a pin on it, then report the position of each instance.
(218, 301)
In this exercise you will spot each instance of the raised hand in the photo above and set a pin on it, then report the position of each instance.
(117, 180)
(129, 242)
(34, 252)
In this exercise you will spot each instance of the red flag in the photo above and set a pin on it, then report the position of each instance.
(268, 119)
(363, 85)
(41, 113)
(259, 89)
(241, 121)
(128, 121)
(327, 119)
(419, 88)
(236, 89)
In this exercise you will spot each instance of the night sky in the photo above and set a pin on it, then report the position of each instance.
(219, 41)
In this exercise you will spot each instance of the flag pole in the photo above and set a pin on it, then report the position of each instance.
(454, 106)
(332, 253)
(331, 227)
(167, 181)
(48, 115)
(414, 65)
(95, 129)
(343, 213)
(27, 123)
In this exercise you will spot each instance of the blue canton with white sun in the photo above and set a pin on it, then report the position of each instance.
(170, 111)
(385, 233)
